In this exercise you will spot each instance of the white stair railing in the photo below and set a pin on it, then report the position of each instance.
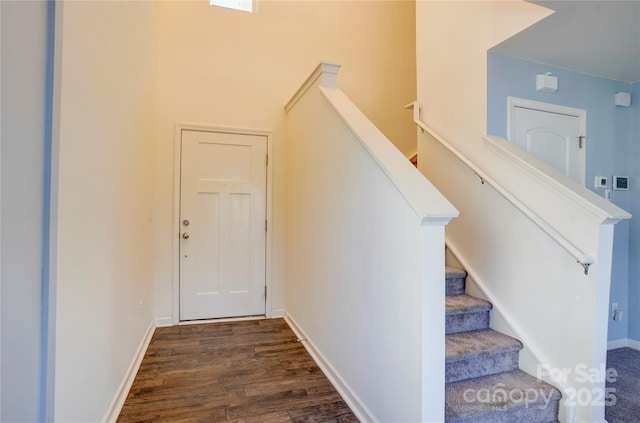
(366, 261)
(584, 259)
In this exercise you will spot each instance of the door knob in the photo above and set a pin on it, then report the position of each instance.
(185, 235)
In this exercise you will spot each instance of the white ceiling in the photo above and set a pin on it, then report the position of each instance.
(595, 37)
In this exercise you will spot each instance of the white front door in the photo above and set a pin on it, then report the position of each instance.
(554, 134)
(222, 224)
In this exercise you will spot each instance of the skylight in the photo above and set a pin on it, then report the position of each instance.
(244, 5)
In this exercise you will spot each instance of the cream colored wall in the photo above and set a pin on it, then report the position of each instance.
(229, 68)
(366, 261)
(452, 59)
(102, 186)
(540, 294)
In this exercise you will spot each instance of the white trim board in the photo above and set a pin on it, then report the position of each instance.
(162, 322)
(352, 399)
(278, 313)
(497, 305)
(182, 126)
(221, 320)
(113, 411)
(622, 343)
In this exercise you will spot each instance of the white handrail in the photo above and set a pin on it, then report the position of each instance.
(582, 258)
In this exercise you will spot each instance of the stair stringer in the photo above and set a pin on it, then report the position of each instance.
(531, 355)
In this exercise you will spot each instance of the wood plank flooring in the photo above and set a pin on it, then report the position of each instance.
(248, 371)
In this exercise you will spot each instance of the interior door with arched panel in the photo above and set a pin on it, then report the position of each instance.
(553, 134)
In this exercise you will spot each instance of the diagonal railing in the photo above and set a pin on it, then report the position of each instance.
(584, 259)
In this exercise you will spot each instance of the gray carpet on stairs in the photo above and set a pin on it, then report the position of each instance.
(455, 280)
(465, 313)
(626, 361)
(509, 397)
(480, 353)
(483, 382)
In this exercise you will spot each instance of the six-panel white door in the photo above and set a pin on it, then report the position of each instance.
(222, 225)
(555, 138)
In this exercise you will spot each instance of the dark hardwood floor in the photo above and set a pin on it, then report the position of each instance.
(248, 371)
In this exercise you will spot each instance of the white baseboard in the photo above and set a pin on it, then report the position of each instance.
(220, 320)
(621, 343)
(617, 343)
(113, 411)
(162, 322)
(277, 314)
(354, 402)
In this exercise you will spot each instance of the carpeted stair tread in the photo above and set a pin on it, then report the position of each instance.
(466, 313)
(454, 272)
(454, 280)
(500, 398)
(483, 382)
(462, 345)
(462, 303)
(479, 353)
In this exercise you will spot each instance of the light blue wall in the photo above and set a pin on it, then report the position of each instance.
(26, 128)
(634, 238)
(608, 141)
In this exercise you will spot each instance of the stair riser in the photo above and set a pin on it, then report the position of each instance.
(481, 370)
(532, 413)
(463, 322)
(455, 286)
(481, 365)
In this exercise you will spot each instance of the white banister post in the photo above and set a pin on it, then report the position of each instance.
(433, 317)
(329, 73)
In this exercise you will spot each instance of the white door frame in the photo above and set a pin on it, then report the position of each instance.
(180, 126)
(581, 114)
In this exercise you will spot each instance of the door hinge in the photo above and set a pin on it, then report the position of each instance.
(581, 139)
(267, 162)
(265, 225)
(265, 292)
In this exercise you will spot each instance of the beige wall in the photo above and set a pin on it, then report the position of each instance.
(102, 179)
(214, 66)
(365, 260)
(229, 68)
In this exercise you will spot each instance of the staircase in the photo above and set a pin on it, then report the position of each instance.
(483, 382)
